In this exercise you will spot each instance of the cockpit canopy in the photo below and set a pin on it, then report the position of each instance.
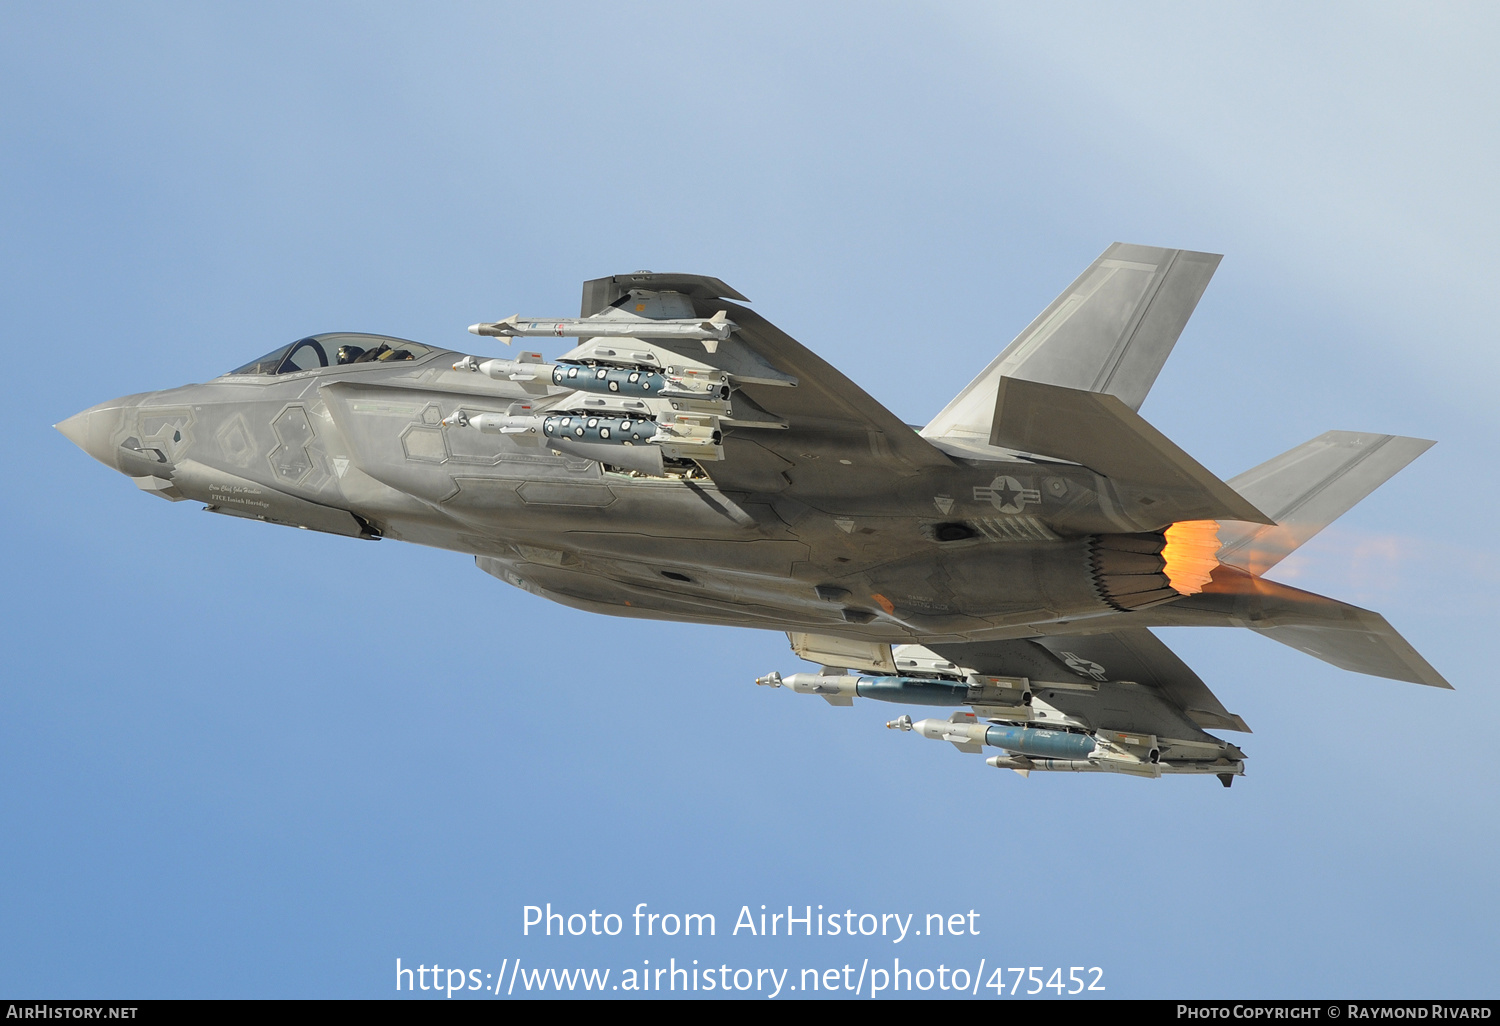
(335, 349)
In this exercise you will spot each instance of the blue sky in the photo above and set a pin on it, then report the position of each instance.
(212, 785)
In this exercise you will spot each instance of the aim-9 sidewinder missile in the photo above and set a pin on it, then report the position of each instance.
(715, 329)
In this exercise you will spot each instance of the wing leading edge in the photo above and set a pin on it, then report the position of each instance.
(808, 420)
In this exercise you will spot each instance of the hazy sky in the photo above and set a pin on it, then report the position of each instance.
(237, 760)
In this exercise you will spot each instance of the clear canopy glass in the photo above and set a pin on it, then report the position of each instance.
(335, 349)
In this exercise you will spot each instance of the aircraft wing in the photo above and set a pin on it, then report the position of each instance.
(797, 420)
(1128, 654)
(829, 419)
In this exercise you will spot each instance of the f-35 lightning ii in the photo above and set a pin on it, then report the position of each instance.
(689, 461)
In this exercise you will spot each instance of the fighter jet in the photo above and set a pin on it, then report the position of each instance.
(687, 460)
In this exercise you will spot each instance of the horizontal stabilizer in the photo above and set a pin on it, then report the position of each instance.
(1345, 635)
(1307, 488)
(1367, 644)
(1336, 632)
(1110, 331)
(1102, 433)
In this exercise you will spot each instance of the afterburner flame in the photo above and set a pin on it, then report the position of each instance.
(1191, 554)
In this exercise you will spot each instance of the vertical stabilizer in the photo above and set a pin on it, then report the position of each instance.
(1110, 332)
(1099, 431)
(1307, 488)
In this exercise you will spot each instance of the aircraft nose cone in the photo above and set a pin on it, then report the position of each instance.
(76, 429)
(93, 430)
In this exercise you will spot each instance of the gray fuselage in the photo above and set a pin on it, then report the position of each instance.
(968, 551)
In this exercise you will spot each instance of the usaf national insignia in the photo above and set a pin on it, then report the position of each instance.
(1083, 667)
(638, 415)
(1007, 495)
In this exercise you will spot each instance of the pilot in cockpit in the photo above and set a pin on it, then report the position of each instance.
(311, 353)
(380, 352)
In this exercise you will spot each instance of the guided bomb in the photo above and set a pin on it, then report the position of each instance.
(709, 468)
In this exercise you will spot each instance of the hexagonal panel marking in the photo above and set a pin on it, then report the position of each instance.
(290, 460)
(235, 442)
(168, 431)
(426, 444)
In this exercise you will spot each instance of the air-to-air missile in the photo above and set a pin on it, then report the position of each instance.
(687, 460)
(640, 396)
(713, 329)
(1035, 733)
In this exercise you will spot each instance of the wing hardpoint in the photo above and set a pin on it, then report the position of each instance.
(811, 419)
(1111, 331)
(1131, 654)
(825, 404)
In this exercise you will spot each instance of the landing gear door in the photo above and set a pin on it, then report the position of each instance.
(874, 657)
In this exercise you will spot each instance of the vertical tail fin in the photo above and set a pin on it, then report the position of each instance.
(1110, 331)
(1102, 433)
(1307, 488)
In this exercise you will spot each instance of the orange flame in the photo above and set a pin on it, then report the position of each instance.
(1191, 554)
